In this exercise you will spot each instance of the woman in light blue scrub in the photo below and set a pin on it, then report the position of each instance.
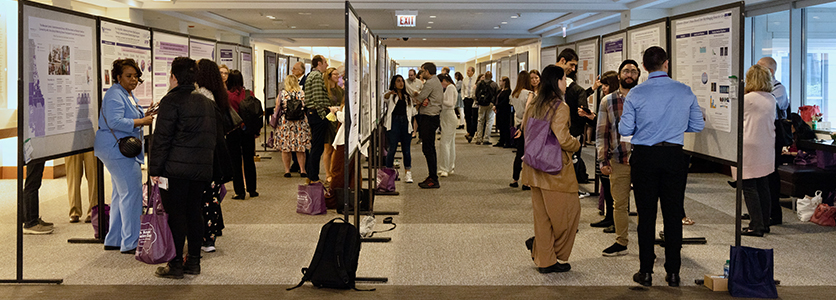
(122, 116)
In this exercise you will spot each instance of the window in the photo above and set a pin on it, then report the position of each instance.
(820, 40)
(404, 71)
(772, 39)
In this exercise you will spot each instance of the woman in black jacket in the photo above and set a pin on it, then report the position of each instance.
(503, 114)
(183, 154)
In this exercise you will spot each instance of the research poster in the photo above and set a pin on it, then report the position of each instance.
(513, 72)
(272, 79)
(353, 69)
(640, 40)
(247, 69)
(373, 84)
(62, 84)
(166, 48)
(228, 55)
(200, 49)
(365, 86)
(281, 71)
(121, 42)
(587, 63)
(548, 56)
(4, 76)
(613, 53)
(505, 69)
(703, 46)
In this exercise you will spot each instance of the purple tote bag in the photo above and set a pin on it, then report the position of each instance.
(156, 245)
(386, 178)
(542, 150)
(310, 199)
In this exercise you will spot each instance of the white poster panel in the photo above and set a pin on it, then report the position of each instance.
(228, 55)
(246, 67)
(548, 56)
(640, 40)
(505, 68)
(271, 78)
(703, 62)
(60, 84)
(121, 42)
(514, 71)
(281, 71)
(382, 79)
(373, 84)
(166, 48)
(365, 85)
(353, 69)
(587, 63)
(613, 53)
(200, 49)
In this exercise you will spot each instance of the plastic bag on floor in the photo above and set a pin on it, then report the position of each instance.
(807, 206)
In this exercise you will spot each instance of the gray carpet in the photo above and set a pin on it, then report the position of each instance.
(470, 232)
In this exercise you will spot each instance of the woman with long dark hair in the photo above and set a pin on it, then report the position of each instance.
(241, 144)
(460, 99)
(523, 94)
(398, 126)
(535, 80)
(503, 113)
(554, 197)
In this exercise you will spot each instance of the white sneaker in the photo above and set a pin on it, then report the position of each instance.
(408, 177)
(208, 249)
(443, 174)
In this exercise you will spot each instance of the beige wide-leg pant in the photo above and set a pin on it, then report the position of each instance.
(556, 217)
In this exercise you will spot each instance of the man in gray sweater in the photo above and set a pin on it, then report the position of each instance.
(428, 103)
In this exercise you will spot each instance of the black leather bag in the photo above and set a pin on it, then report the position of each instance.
(129, 146)
(783, 133)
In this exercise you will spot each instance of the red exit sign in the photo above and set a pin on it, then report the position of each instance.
(406, 21)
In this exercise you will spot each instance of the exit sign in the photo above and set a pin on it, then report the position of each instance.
(406, 21)
(405, 18)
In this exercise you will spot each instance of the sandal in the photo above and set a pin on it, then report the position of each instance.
(687, 221)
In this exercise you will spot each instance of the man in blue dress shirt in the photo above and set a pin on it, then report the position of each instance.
(657, 113)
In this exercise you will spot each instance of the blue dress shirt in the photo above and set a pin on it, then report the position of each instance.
(660, 110)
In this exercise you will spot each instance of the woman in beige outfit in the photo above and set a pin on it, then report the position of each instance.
(554, 197)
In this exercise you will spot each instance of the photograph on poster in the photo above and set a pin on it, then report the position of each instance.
(59, 60)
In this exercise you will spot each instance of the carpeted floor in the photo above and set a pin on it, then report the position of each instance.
(463, 239)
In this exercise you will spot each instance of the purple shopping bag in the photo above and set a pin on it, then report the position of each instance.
(310, 199)
(95, 218)
(386, 178)
(542, 150)
(156, 245)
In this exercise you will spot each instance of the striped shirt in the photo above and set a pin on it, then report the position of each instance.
(317, 97)
(608, 141)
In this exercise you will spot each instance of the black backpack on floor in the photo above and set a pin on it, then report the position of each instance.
(334, 264)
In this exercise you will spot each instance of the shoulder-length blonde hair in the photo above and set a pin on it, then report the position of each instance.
(758, 79)
(291, 84)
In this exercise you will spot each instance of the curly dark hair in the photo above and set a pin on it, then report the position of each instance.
(119, 67)
(209, 77)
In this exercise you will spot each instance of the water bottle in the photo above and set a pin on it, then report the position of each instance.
(726, 269)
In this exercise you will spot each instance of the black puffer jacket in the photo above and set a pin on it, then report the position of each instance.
(185, 136)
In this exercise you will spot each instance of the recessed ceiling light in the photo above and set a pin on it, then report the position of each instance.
(514, 16)
(305, 13)
(292, 26)
(475, 39)
(428, 27)
(424, 39)
(503, 23)
(816, 17)
(432, 17)
(496, 27)
(324, 25)
(431, 22)
(271, 17)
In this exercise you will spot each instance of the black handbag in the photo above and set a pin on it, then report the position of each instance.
(129, 146)
(783, 133)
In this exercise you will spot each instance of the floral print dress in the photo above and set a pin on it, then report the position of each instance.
(293, 136)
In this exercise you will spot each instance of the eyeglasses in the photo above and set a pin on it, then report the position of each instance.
(628, 72)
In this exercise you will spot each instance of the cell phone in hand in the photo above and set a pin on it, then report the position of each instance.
(586, 110)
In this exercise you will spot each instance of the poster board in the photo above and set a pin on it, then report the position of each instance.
(614, 51)
(587, 61)
(706, 48)
(522, 61)
(548, 56)
(514, 71)
(246, 66)
(560, 48)
(120, 40)
(383, 80)
(505, 67)
(271, 78)
(167, 46)
(281, 71)
(58, 104)
(201, 48)
(352, 56)
(365, 84)
(643, 36)
(227, 55)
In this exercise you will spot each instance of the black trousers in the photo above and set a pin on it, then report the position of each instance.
(659, 175)
(608, 201)
(242, 151)
(427, 125)
(471, 116)
(31, 200)
(756, 195)
(774, 181)
(319, 129)
(184, 205)
(503, 123)
(520, 143)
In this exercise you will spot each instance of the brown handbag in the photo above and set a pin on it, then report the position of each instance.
(825, 215)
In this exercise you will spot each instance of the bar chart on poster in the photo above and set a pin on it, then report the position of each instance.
(166, 48)
(119, 42)
(60, 107)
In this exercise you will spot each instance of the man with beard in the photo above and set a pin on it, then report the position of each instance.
(657, 113)
(576, 98)
(614, 153)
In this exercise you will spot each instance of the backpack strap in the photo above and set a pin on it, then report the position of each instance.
(340, 253)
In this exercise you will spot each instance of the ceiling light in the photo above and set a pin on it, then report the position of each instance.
(432, 17)
(515, 16)
(271, 17)
(475, 39)
(431, 22)
(429, 27)
(496, 27)
(305, 13)
(424, 39)
(292, 26)
(503, 23)
(324, 25)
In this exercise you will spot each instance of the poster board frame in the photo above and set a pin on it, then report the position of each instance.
(620, 33)
(267, 69)
(544, 62)
(102, 64)
(154, 32)
(227, 46)
(662, 24)
(203, 40)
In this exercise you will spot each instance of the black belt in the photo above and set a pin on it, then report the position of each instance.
(666, 144)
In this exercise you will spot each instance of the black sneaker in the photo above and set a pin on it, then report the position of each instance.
(172, 270)
(615, 250)
(429, 183)
(603, 223)
(529, 243)
(526, 188)
(556, 268)
(514, 184)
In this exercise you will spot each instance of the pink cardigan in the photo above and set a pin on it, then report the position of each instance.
(758, 135)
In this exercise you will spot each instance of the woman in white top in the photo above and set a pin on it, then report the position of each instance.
(521, 95)
(758, 148)
(399, 112)
(447, 145)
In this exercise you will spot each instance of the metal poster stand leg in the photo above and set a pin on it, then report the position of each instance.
(373, 158)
